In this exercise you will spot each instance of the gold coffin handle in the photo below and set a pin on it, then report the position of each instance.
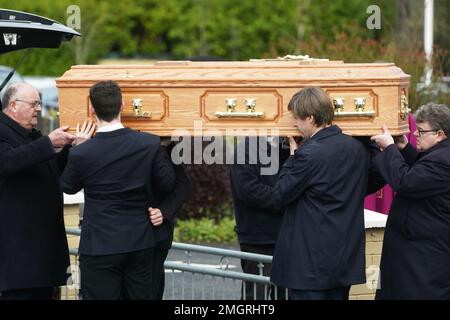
(137, 110)
(369, 113)
(255, 114)
(360, 104)
(250, 104)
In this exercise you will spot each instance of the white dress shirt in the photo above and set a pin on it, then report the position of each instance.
(111, 127)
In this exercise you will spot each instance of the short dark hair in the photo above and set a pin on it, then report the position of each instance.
(312, 101)
(437, 115)
(106, 98)
(10, 92)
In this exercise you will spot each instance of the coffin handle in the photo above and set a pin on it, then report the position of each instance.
(368, 113)
(360, 104)
(250, 104)
(137, 110)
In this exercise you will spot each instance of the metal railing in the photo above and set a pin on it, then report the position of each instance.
(205, 282)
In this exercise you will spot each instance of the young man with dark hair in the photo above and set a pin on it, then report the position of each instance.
(120, 170)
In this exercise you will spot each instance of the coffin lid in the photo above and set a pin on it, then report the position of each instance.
(253, 73)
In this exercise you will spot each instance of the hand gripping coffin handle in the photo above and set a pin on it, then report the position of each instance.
(360, 104)
(137, 110)
(250, 105)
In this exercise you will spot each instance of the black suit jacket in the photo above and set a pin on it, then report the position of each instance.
(33, 243)
(257, 211)
(121, 171)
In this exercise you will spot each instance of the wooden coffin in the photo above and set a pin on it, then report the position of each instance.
(201, 98)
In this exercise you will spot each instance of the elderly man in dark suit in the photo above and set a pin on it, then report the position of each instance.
(34, 256)
(415, 259)
(120, 171)
(320, 251)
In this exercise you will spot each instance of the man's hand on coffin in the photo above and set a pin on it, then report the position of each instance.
(401, 141)
(84, 133)
(156, 216)
(59, 137)
(383, 140)
(294, 143)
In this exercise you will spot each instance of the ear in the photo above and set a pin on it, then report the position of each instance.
(441, 135)
(12, 106)
(91, 110)
(122, 106)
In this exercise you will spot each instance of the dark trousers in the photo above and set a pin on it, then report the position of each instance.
(262, 291)
(159, 257)
(125, 276)
(331, 294)
(45, 293)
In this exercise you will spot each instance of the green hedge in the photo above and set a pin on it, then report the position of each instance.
(206, 231)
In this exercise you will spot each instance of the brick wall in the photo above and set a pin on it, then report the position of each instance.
(374, 242)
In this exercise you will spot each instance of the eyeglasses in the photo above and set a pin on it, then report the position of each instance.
(421, 132)
(32, 104)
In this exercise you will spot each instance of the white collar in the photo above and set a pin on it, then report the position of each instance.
(111, 127)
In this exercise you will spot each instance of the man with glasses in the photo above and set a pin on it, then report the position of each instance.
(415, 259)
(33, 246)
